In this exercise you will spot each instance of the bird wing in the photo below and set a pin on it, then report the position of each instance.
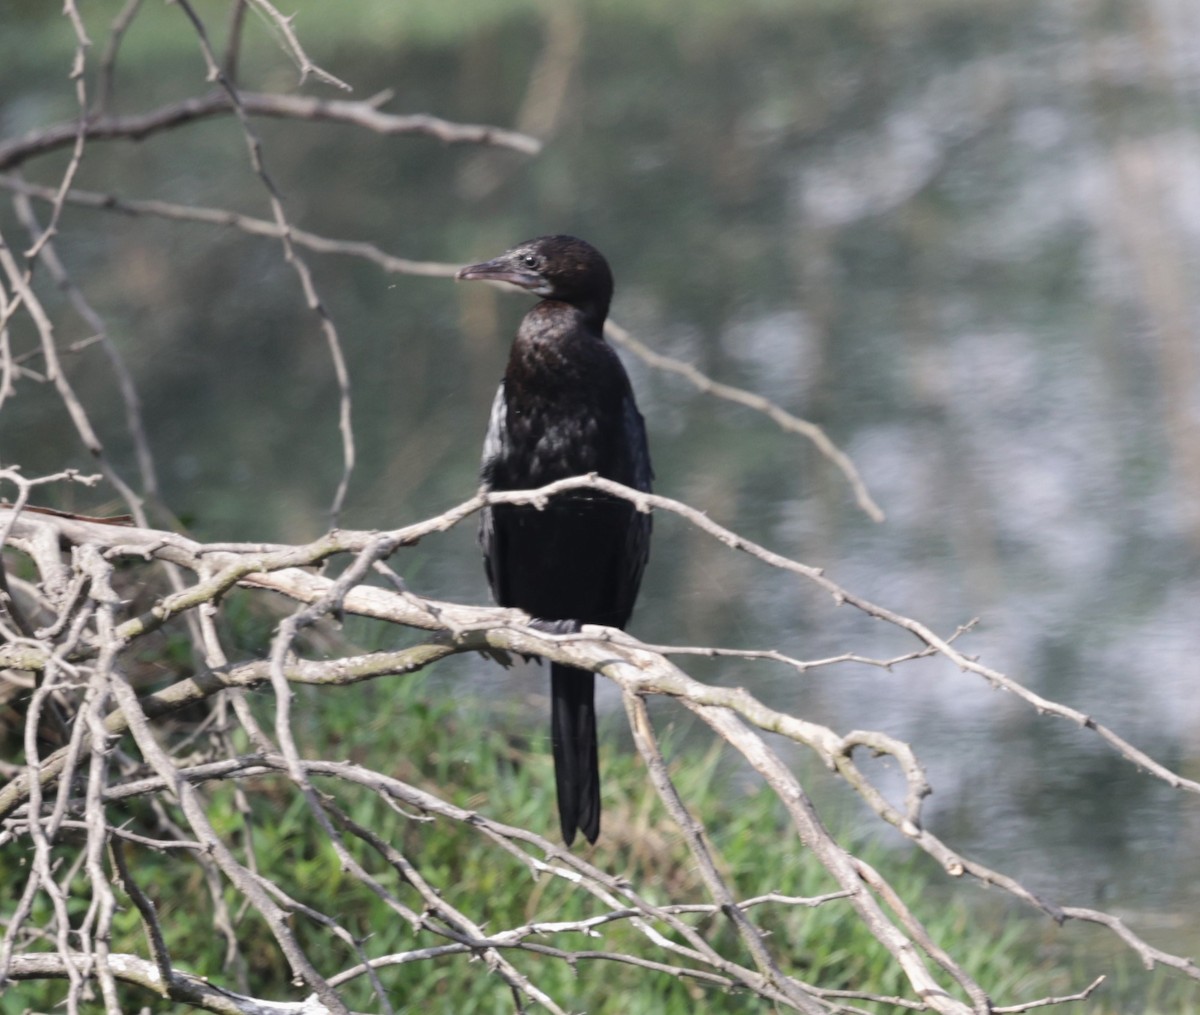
(637, 543)
(635, 440)
(495, 443)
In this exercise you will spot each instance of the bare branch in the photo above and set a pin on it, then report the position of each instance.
(315, 304)
(108, 62)
(145, 908)
(244, 223)
(406, 266)
(784, 419)
(182, 987)
(45, 328)
(129, 395)
(82, 43)
(362, 113)
(291, 45)
(637, 669)
(1048, 1002)
(772, 975)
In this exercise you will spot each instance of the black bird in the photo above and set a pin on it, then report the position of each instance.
(565, 408)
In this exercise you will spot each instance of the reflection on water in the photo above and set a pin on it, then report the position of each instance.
(963, 238)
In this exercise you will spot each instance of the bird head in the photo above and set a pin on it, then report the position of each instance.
(560, 268)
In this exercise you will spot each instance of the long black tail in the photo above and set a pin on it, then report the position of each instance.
(576, 765)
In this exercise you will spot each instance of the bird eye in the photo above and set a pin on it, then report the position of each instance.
(530, 261)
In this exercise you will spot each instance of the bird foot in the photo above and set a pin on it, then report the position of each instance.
(556, 626)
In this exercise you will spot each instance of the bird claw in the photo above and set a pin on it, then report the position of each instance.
(556, 626)
(499, 655)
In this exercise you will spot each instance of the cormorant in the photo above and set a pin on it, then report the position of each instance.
(565, 408)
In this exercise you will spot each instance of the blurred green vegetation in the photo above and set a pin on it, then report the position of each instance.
(457, 749)
(938, 332)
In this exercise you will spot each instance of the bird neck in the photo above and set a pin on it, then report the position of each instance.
(560, 353)
(553, 324)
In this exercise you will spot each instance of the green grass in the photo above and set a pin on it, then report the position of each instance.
(459, 747)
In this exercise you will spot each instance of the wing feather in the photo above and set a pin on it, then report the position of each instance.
(495, 446)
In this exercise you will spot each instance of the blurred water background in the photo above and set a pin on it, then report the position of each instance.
(962, 237)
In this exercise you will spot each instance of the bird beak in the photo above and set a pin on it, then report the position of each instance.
(500, 270)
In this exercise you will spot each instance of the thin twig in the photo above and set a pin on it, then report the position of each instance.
(235, 220)
(108, 61)
(291, 45)
(133, 407)
(362, 113)
(784, 419)
(333, 342)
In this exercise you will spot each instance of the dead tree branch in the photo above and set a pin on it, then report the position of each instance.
(364, 113)
(732, 713)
